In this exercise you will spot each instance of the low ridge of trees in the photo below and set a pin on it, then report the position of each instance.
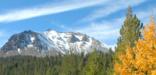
(71, 64)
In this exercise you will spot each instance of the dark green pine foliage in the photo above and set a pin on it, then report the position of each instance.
(96, 63)
(71, 64)
(99, 63)
(130, 31)
(91, 67)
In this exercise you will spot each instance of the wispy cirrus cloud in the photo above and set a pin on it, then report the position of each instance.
(105, 30)
(144, 15)
(22, 14)
(100, 32)
(112, 7)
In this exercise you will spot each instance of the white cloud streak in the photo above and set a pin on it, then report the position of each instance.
(112, 7)
(16, 15)
(144, 15)
(104, 30)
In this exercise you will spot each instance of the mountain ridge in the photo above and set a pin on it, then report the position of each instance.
(49, 42)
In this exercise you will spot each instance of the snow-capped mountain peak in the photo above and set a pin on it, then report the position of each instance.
(52, 42)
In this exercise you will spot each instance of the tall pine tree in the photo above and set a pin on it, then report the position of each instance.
(130, 31)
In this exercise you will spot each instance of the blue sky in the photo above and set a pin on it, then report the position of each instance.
(100, 19)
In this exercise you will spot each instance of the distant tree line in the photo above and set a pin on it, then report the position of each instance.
(95, 63)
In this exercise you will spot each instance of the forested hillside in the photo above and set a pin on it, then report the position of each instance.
(95, 63)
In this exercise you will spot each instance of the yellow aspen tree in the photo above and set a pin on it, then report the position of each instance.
(141, 59)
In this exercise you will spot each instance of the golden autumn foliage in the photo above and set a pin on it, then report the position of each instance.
(141, 59)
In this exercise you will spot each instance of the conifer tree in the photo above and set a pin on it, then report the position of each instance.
(140, 59)
(130, 31)
(91, 65)
(70, 65)
(98, 63)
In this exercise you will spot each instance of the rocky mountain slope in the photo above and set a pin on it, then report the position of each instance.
(50, 43)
